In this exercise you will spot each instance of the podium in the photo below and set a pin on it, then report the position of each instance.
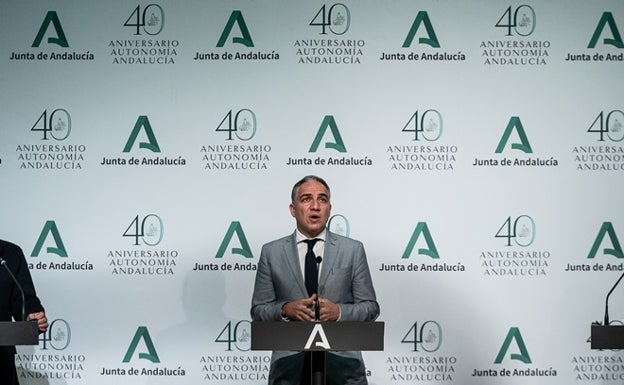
(317, 338)
(607, 337)
(19, 333)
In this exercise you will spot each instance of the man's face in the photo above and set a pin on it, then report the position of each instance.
(311, 208)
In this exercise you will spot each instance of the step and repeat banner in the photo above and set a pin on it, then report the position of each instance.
(148, 150)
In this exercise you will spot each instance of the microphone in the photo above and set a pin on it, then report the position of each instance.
(317, 314)
(3, 263)
(606, 317)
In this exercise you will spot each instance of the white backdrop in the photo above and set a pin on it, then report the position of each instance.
(88, 87)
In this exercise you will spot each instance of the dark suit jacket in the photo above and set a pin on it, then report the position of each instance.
(345, 280)
(10, 297)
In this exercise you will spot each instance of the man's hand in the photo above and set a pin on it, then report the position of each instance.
(42, 321)
(303, 310)
(300, 310)
(329, 311)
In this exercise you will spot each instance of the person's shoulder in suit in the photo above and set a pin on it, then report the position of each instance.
(8, 249)
(278, 241)
(346, 240)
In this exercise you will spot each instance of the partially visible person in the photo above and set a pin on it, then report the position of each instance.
(12, 257)
(282, 291)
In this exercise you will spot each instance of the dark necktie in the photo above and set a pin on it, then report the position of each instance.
(311, 273)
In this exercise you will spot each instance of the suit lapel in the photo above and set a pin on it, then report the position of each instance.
(291, 258)
(329, 259)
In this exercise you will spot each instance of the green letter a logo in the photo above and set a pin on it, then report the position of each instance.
(235, 228)
(431, 251)
(50, 227)
(432, 40)
(607, 229)
(143, 122)
(514, 334)
(525, 146)
(236, 17)
(607, 18)
(151, 355)
(338, 145)
(60, 39)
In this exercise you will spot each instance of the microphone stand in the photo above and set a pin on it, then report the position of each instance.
(317, 357)
(21, 332)
(3, 263)
(606, 317)
(317, 311)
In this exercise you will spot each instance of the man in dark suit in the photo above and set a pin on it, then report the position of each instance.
(12, 258)
(281, 292)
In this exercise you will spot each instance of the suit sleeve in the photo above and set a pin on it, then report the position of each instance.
(265, 305)
(22, 274)
(10, 297)
(364, 306)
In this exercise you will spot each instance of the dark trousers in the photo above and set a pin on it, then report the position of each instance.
(8, 374)
(340, 370)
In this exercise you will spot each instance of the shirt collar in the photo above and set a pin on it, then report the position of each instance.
(300, 237)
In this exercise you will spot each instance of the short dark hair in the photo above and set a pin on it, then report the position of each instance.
(306, 179)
